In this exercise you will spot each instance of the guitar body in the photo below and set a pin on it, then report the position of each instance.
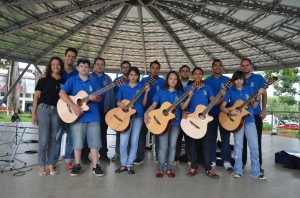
(234, 123)
(118, 119)
(66, 113)
(158, 122)
(194, 126)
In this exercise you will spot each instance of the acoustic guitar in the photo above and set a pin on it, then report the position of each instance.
(195, 125)
(160, 119)
(118, 118)
(235, 123)
(66, 113)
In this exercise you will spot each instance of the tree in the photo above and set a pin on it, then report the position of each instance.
(3, 63)
(277, 104)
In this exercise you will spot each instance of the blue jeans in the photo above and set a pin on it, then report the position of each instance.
(132, 135)
(167, 141)
(69, 152)
(225, 138)
(90, 131)
(249, 129)
(49, 122)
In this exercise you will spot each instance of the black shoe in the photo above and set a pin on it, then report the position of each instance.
(121, 169)
(85, 160)
(97, 171)
(138, 161)
(75, 170)
(212, 174)
(130, 171)
(104, 158)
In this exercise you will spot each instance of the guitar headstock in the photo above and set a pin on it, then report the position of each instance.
(228, 84)
(152, 80)
(199, 84)
(121, 81)
(272, 80)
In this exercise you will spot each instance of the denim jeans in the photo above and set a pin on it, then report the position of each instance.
(167, 141)
(142, 142)
(249, 129)
(259, 125)
(69, 152)
(132, 135)
(225, 138)
(48, 121)
(86, 130)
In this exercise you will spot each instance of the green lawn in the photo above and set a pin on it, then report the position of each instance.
(25, 117)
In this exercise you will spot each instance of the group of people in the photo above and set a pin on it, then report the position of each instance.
(88, 135)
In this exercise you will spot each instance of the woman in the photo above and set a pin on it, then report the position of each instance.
(170, 93)
(198, 96)
(128, 91)
(241, 92)
(44, 113)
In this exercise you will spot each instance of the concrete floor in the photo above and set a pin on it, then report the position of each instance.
(282, 182)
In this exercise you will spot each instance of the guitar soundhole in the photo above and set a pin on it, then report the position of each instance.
(79, 102)
(201, 116)
(165, 112)
(125, 110)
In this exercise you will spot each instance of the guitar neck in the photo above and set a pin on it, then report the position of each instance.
(179, 100)
(252, 97)
(100, 91)
(131, 103)
(212, 103)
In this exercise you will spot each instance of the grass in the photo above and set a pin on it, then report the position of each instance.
(25, 117)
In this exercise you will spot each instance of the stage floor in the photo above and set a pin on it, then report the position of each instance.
(282, 182)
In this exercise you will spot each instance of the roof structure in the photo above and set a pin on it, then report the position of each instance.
(174, 32)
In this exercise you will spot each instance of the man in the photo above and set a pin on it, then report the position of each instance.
(184, 72)
(88, 124)
(125, 65)
(154, 87)
(105, 105)
(255, 81)
(216, 81)
(69, 71)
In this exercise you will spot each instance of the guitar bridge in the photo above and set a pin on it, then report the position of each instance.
(192, 123)
(118, 118)
(157, 121)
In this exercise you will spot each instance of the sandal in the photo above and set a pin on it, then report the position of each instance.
(130, 171)
(170, 173)
(121, 169)
(159, 174)
(42, 171)
(53, 170)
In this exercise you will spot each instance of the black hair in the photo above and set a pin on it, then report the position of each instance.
(71, 49)
(217, 60)
(136, 70)
(125, 62)
(48, 68)
(246, 59)
(183, 67)
(99, 58)
(178, 86)
(238, 75)
(197, 68)
(84, 60)
(155, 62)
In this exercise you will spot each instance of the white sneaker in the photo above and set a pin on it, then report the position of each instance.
(262, 177)
(237, 175)
(213, 164)
(228, 166)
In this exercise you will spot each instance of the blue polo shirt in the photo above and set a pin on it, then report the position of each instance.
(127, 92)
(65, 76)
(200, 96)
(255, 81)
(164, 95)
(216, 85)
(116, 88)
(233, 95)
(154, 87)
(76, 84)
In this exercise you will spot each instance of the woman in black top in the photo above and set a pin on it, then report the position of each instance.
(44, 113)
